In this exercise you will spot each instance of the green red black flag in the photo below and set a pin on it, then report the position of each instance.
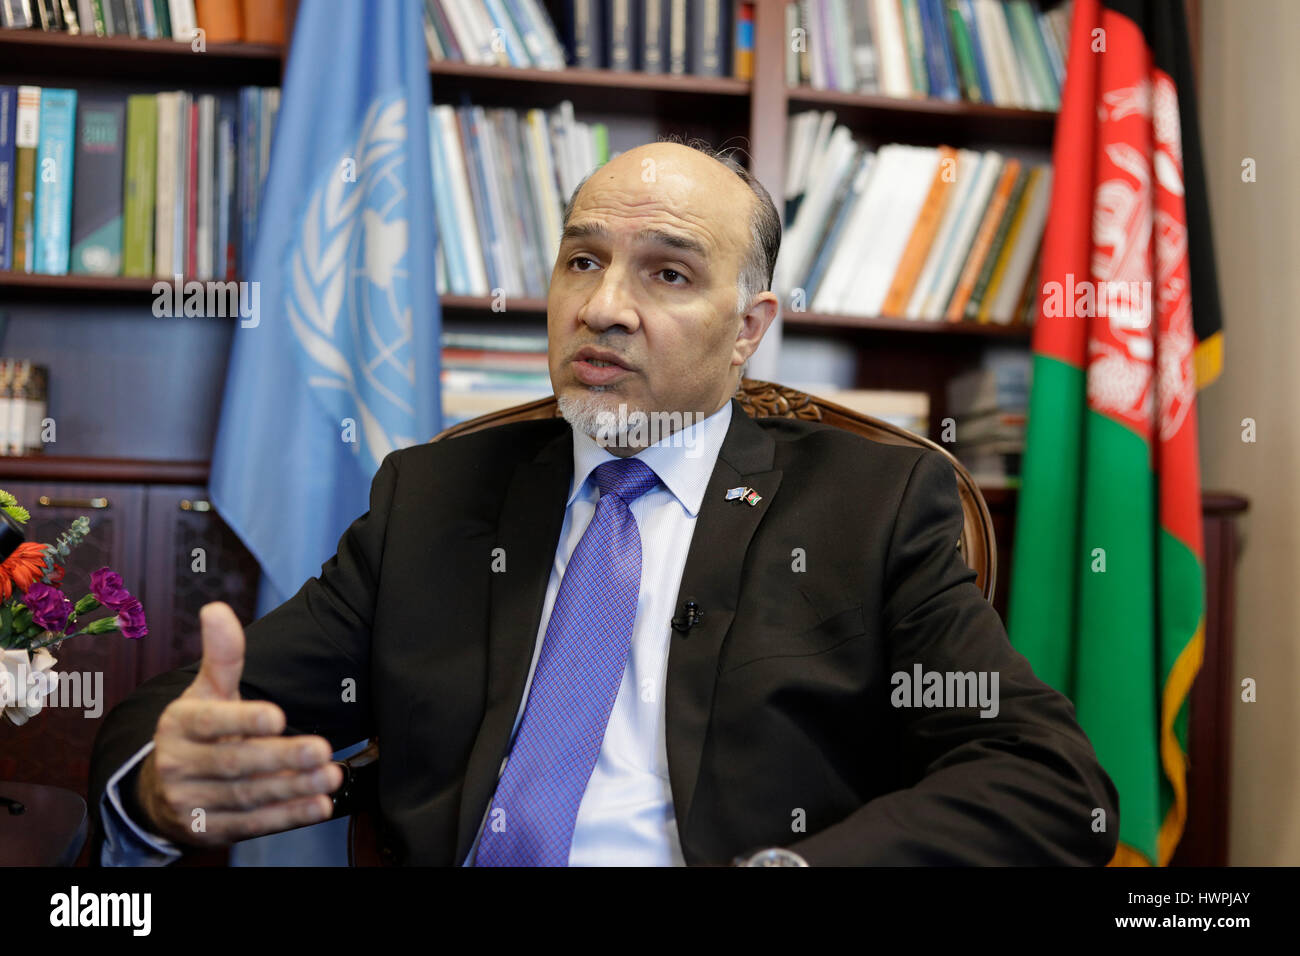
(1108, 586)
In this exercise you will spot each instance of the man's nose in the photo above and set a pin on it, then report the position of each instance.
(612, 302)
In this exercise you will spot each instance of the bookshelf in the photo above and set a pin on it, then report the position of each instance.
(156, 440)
(723, 110)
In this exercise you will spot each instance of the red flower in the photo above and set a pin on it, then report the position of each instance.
(22, 568)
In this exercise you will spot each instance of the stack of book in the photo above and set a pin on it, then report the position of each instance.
(492, 32)
(989, 405)
(1004, 52)
(486, 371)
(24, 406)
(696, 37)
(501, 178)
(144, 185)
(909, 231)
(222, 21)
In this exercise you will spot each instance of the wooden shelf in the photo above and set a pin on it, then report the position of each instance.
(46, 288)
(822, 321)
(30, 286)
(928, 120)
(574, 77)
(683, 98)
(123, 470)
(34, 54)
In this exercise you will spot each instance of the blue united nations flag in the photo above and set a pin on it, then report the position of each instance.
(340, 365)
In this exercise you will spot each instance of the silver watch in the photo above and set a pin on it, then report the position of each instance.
(773, 856)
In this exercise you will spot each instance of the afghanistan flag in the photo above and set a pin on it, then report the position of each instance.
(1108, 584)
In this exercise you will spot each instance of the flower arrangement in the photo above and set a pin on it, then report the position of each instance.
(36, 615)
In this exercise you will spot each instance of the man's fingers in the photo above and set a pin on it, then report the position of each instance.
(253, 793)
(212, 719)
(230, 760)
(222, 827)
(223, 654)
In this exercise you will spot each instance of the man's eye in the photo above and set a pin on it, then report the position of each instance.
(577, 259)
(669, 273)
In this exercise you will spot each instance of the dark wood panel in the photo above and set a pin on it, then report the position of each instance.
(29, 54)
(191, 557)
(71, 468)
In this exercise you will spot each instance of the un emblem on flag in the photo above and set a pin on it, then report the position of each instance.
(348, 298)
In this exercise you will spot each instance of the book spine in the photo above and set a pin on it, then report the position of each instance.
(54, 162)
(915, 40)
(26, 140)
(8, 127)
(983, 240)
(180, 214)
(6, 402)
(994, 252)
(193, 148)
(961, 44)
(165, 179)
(182, 18)
(706, 39)
(654, 36)
(1004, 245)
(677, 36)
(225, 189)
(163, 15)
(138, 189)
(967, 10)
(744, 54)
(97, 193)
(204, 187)
(620, 36)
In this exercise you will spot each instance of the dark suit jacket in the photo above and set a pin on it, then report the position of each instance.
(780, 728)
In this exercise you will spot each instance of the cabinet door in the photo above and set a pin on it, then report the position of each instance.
(54, 746)
(191, 558)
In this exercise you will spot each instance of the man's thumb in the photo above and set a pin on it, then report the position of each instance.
(223, 653)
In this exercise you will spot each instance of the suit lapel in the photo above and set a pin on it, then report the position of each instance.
(712, 579)
(531, 517)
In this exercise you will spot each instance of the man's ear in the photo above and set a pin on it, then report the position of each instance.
(754, 325)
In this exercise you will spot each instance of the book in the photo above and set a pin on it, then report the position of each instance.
(97, 190)
(55, 168)
(26, 140)
(8, 126)
(140, 183)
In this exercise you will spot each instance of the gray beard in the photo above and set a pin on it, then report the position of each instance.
(589, 413)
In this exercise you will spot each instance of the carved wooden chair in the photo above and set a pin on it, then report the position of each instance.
(358, 796)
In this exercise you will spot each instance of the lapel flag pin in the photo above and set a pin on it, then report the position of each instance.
(752, 497)
(734, 493)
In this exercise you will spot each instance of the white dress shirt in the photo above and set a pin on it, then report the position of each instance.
(626, 817)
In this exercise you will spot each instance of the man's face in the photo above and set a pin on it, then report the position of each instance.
(642, 306)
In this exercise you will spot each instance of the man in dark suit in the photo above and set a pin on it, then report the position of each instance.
(653, 631)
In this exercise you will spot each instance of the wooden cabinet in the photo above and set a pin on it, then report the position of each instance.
(54, 747)
(175, 554)
(191, 557)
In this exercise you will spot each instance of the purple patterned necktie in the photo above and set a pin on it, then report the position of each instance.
(575, 684)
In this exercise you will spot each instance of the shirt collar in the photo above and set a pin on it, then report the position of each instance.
(683, 460)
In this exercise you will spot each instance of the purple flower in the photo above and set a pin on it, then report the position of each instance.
(109, 590)
(48, 606)
(130, 620)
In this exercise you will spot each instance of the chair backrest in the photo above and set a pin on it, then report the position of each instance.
(760, 400)
(768, 400)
